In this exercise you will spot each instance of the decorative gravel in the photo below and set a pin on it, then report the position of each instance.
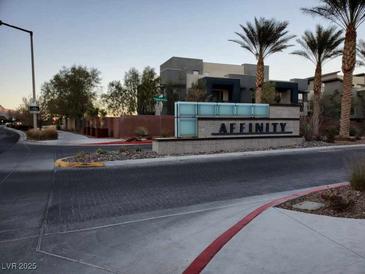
(104, 156)
(353, 200)
(101, 155)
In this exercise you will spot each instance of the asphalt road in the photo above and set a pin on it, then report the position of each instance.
(37, 201)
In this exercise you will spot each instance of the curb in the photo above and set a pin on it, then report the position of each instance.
(22, 135)
(61, 163)
(134, 143)
(203, 259)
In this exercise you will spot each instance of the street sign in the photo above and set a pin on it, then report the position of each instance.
(34, 109)
(160, 98)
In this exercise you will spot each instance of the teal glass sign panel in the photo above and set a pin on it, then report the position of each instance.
(187, 127)
(207, 109)
(245, 110)
(226, 110)
(187, 114)
(187, 110)
(261, 110)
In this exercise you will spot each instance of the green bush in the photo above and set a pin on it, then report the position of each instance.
(101, 151)
(353, 132)
(141, 132)
(331, 134)
(42, 134)
(358, 176)
(307, 132)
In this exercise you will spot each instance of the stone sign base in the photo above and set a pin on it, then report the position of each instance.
(170, 146)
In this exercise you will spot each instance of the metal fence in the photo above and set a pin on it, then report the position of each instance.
(187, 114)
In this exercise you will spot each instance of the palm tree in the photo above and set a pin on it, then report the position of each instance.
(263, 38)
(361, 53)
(319, 47)
(349, 15)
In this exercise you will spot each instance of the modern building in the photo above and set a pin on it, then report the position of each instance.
(221, 82)
(333, 83)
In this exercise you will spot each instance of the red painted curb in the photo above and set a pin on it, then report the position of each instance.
(208, 253)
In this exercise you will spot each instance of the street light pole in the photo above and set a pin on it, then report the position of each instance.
(32, 62)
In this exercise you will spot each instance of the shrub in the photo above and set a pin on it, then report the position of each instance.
(141, 132)
(336, 201)
(45, 134)
(123, 150)
(358, 176)
(353, 132)
(165, 134)
(101, 151)
(138, 149)
(307, 132)
(331, 134)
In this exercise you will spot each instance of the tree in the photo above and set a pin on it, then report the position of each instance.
(349, 15)
(319, 47)
(263, 38)
(22, 113)
(71, 92)
(196, 94)
(132, 81)
(172, 96)
(149, 87)
(268, 95)
(361, 53)
(116, 99)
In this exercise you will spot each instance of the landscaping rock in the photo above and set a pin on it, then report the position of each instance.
(308, 205)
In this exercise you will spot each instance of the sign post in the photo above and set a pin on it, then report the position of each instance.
(159, 104)
(32, 62)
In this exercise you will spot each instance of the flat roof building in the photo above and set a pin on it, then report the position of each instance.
(220, 82)
(223, 82)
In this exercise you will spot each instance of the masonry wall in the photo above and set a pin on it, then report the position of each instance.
(121, 127)
(173, 146)
(209, 142)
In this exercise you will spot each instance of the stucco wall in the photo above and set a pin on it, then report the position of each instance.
(167, 147)
(221, 70)
(284, 112)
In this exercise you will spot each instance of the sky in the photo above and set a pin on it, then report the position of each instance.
(115, 35)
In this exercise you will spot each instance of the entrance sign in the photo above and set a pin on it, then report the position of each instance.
(189, 114)
(214, 127)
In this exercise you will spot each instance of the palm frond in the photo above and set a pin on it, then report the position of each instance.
(264, 37)
(321, 45)
(361, 53)
(344, 13)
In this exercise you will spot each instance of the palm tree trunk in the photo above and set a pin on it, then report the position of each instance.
(316, 101)
(348, 66)
(260, 78)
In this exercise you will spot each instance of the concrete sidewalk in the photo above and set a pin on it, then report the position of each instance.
(283, 241)
(66, 138)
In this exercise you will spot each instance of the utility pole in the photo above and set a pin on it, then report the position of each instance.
(35, 109)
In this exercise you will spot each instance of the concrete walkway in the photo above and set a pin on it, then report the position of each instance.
(283, 241)
(66, 138)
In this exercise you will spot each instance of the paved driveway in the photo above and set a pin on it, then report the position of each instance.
(126, 219)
